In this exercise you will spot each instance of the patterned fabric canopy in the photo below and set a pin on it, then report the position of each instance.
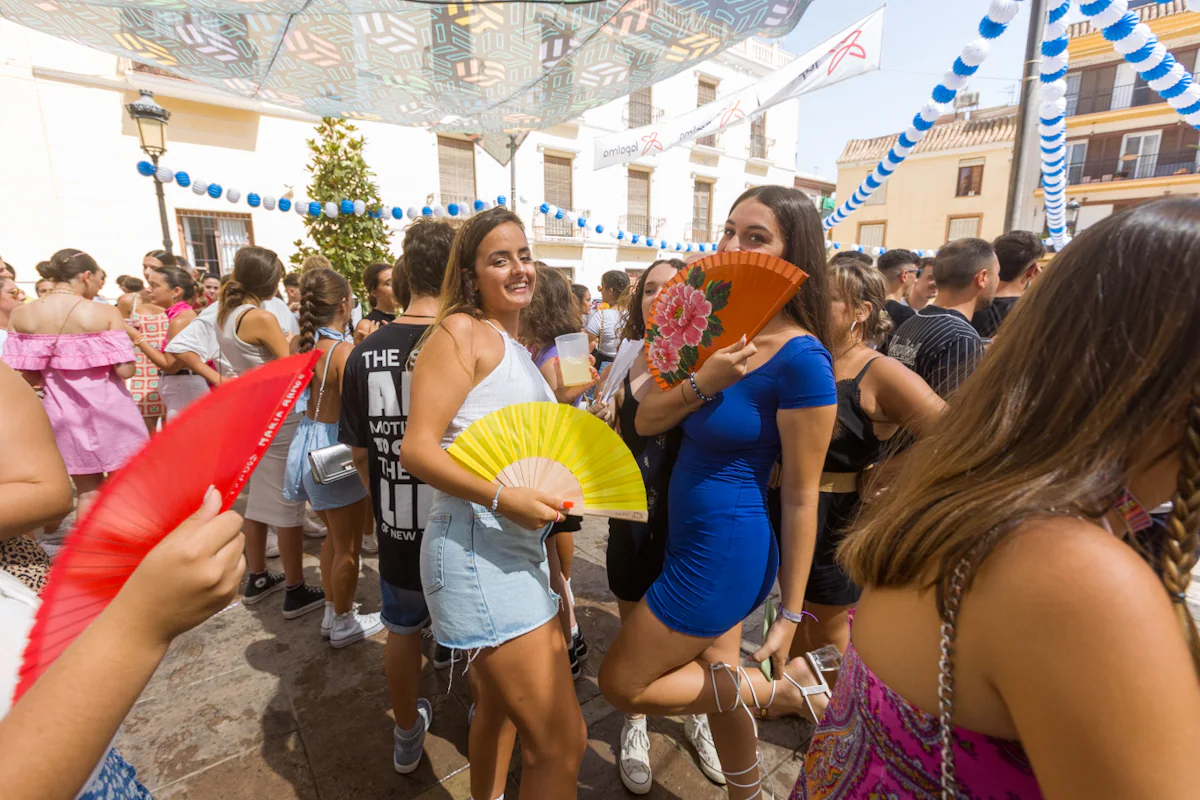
(474, 67)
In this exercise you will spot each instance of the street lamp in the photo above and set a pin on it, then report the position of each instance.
(1073, 214)
(151, 119)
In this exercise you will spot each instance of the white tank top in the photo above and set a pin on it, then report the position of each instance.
(514, 380)
(242, 357)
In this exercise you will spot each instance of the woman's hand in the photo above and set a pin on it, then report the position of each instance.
(190, 575)
(530, 508)
(777, 645)
(364, 329)
(133, 333)
(605, 411)
(725, 367)
(570, 394)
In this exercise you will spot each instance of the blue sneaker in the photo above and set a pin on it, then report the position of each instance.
(408, 749)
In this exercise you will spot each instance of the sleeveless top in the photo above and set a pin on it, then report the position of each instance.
(854, 446)
(242, 357)
(514, 380)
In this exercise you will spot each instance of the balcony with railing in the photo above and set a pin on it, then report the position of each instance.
(638, 114)
(1126, 95)
(1132, 168)
(713, 140)
(545, 227)
(699, 231)
(760, 146)
(641, 224)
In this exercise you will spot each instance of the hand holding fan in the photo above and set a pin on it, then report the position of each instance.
(712, 304)
(216, 442)
(557, 449)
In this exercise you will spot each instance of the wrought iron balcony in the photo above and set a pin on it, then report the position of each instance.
(642, 225)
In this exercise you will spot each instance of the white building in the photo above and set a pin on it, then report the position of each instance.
(69, 151)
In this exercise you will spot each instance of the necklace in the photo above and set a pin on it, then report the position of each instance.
(63, 291)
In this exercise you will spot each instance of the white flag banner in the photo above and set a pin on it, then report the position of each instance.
(851, 52)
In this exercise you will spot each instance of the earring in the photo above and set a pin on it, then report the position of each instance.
(853, 325)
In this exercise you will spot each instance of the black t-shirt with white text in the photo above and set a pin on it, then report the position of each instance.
(375, 397)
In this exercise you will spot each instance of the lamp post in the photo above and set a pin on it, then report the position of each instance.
(151, 119)
(1073, 214)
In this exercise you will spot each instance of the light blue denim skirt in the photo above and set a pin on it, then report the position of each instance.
(299, 484)
(486, 579)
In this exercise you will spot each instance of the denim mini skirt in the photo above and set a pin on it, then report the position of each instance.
(486, 579)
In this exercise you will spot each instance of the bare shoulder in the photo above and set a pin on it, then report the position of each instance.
(885, 369)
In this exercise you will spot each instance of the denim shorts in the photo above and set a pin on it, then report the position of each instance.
(404, 610)
(299, 484)
(486, 579)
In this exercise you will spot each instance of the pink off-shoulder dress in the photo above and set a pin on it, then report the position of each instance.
(96, 423)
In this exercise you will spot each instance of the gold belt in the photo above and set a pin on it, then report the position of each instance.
(839, 482)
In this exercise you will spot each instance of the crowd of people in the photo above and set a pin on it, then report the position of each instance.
(975, 488)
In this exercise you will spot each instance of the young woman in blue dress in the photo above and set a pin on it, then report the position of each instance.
(678, 652)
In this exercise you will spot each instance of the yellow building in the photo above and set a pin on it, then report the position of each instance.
(953, 185)
(1124, 144)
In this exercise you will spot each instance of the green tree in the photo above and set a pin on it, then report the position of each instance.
(339, 172)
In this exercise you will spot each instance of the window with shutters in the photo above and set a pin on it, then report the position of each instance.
(641, 108)
(456, 170)
(702, 193)
(970, 178)
(963, 227)
(1096, 89)
(878, 198)
(758, 137)
(706, 92)
(212, 238)
(639, 202)
(872, 234)
(559, 192)
(1072, 94)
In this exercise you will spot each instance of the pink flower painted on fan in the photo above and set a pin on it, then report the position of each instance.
(663, 355)
(683, 314)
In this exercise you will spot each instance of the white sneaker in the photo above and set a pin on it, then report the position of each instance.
(370, 544)
(313, 529)
(351, 627)
(700, 735)
(634, 758)
(272, 543)
(327, 620)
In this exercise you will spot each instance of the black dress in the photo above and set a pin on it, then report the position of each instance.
(853, 448)
(634, 558)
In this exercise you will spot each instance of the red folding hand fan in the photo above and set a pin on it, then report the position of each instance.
(217, 442)
(711, 304)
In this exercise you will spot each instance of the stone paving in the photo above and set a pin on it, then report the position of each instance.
(250, 705)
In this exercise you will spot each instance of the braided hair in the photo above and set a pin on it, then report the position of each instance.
(321, 292)
(1183, 531)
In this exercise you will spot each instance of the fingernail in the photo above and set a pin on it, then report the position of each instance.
(568, 504)
(208, 494)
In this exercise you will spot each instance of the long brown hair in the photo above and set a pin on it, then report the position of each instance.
(552, 311)
(321, 291)
(804, 246)
(635, 324)
(256, 274)
(1097, 360)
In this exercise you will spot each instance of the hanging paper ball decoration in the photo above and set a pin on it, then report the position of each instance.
(145, 168)
(386, 213)
(253, 200)
(581, 222)
(480, 205)
(501, 200)
(599, 229)
(413, 212)
(346, 207)
(452, 209)
(199, 187)
(426, 211)
(233, 195)
(488, 205)
(284, 204)
(649, 242)
(182, 178)
(214, 190)
(559, 213)
(544, 208)
(331, 209)
(314, 209)
(620, 235)
(633, 239)
(358, 207)
(268, 203)
(678, 247)
(397, 212)
(523, 200)
(689, 249)
(164, 175)
(837, 245)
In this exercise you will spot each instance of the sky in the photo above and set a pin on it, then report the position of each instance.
(921, 39)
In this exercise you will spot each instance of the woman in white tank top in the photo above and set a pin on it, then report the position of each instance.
(249, 336)
(483, 554)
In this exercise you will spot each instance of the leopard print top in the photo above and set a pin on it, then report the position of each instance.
(25, 560)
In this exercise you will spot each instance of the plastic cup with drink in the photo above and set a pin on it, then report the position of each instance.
(574, 360)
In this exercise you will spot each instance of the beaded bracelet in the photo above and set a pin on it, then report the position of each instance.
(496, 499)
(792, 616)
(696, 389)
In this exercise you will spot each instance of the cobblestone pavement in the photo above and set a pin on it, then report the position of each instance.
(250, 705)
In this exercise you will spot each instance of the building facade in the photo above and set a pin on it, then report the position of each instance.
(1124, 144)
(70, 152)
(953, 185)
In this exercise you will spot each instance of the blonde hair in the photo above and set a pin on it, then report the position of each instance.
(315, 261)
(856, 285)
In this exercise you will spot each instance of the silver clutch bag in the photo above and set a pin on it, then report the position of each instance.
(331, 464)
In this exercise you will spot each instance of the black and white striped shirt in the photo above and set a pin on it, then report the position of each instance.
(940, 345)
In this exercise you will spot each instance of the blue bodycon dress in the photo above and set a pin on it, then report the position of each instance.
(721, 557)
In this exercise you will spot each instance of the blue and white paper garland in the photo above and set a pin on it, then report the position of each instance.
(999, 15)
(1052, 121)
(305, 207)
(552, 211)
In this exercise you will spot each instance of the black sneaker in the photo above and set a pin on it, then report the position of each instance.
(442, 657)
(299, 601)
(576, 666)
(261, 584)
(580, 645)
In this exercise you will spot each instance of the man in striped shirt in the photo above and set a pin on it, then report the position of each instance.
(938, 342)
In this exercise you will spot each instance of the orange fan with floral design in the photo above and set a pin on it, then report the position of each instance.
(712, 304)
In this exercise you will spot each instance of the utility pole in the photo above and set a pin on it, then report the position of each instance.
(1027, 153)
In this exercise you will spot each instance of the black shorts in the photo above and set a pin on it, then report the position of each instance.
(828, 584)
(568, 525)
(634, 558)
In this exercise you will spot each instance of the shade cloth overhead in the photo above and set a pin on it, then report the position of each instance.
(476, 67)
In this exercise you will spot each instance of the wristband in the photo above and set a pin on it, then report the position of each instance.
(792, 616)
(696, 389)
(496, 499)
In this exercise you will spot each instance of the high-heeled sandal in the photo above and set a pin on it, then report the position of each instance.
(729, 779)
(819, 660)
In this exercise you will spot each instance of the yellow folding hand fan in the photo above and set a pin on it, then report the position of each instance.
(710, 305)
(557, 449)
